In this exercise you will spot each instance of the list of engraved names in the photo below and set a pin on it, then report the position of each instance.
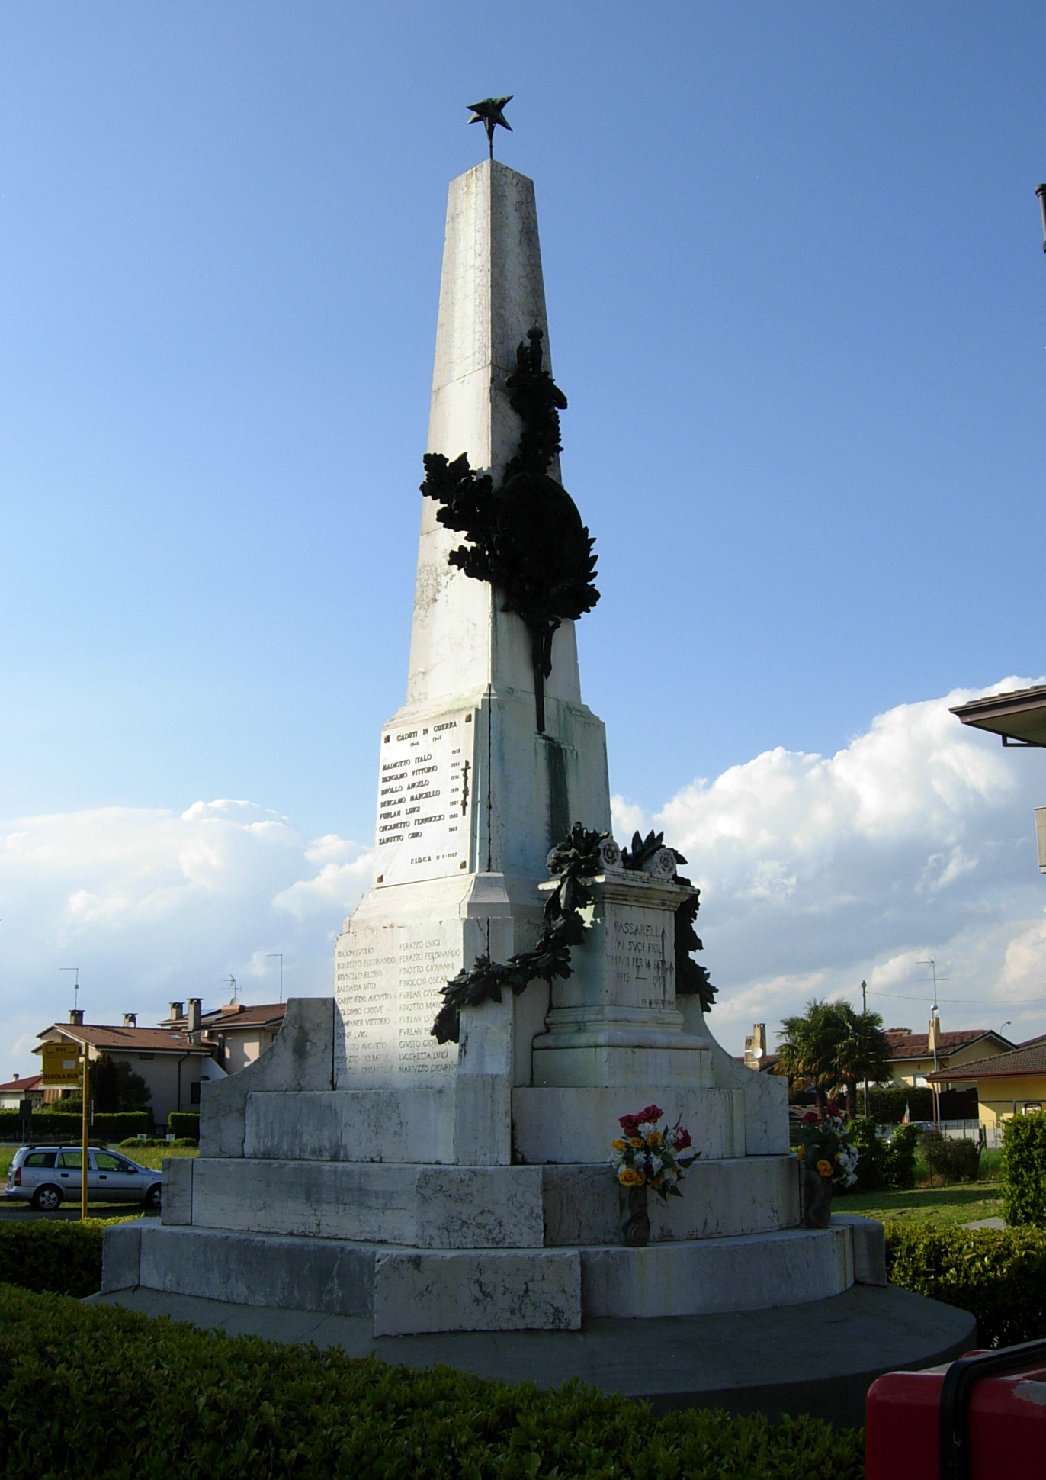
(424, 789)
(388, 983)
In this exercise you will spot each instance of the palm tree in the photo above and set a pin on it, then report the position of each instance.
(832, 1047)
(862, 1051)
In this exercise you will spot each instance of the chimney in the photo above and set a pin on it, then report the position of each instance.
(177, 1010)
(755, 1046)
(76, 1017)
(934, 1034)
(130, 1020)
(192, 1024)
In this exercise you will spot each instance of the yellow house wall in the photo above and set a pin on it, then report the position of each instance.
(1002, 1098)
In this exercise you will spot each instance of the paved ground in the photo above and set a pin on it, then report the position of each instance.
(817, 1358)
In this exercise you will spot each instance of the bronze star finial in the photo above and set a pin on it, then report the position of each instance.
(489, 114)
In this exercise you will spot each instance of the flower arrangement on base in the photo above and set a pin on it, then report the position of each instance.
(823, 1145)
(649, 1155)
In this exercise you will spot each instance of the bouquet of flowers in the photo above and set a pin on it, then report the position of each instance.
(824, 1144)
(649, 1155)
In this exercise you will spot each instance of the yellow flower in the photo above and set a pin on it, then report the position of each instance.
(617, 1145)
(800, 1151)
(825, 1168)
(635, 1140)
(629, 1177)
(654, 1138)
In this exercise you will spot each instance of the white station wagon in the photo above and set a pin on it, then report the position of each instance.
(45, 1175)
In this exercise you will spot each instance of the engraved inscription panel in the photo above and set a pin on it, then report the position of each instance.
(640, 945)
(388, 980)
(425, 799)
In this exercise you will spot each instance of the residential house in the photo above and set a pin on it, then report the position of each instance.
(1006, 1084)
(1020, 718)
(21, 1087)
(916, 1058)
(238, 1033)
(171, 1064)
(173, 1058)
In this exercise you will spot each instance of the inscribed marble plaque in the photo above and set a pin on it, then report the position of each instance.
(388, 980)
(424, 799)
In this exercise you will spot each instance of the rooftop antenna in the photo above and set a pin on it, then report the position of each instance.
(279, 955)
(76, 982)
(232, 983)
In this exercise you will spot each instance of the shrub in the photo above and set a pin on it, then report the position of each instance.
(900, 1158)
(60, 1257)
(133, 1143)
(164, 1399)
(883, 1164)
(954, 1159)
(184, 1124)
(997, 1274)
(871, 1156)
(1024, 1170)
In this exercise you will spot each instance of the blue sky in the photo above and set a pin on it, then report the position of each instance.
(798, 304)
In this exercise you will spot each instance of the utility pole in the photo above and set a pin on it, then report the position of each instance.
(932, 964)
(83, 1098)
(864, 1014)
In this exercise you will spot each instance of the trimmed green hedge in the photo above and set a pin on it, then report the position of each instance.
(184, 1124)
(51, 1254)
(1024, 1170)
(97, 1390)
(57, 1125)
(997, 1274)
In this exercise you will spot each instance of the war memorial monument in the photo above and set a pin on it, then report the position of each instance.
(426, 1156)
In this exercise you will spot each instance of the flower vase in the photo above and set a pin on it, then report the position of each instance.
(817, 1199)
(637, 1224)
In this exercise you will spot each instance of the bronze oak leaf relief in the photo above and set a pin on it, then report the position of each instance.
(524, 536)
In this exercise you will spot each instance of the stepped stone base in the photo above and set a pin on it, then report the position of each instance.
(455, 1207)
(406, 1290)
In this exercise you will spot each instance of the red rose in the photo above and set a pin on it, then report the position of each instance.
(629, 1124)
(811, 1118)
(651, 1114)
(682, 1140)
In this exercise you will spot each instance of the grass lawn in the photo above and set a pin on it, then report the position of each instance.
(939, 1207)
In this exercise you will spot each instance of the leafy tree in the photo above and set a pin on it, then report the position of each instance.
(114, 1086)
(832, 1048)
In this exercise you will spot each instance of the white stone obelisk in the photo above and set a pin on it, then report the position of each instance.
(471, 795)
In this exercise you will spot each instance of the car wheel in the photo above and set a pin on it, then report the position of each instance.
(47, 1199)
(154, 1197)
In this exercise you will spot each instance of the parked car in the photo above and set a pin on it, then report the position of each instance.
(44, 1175)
